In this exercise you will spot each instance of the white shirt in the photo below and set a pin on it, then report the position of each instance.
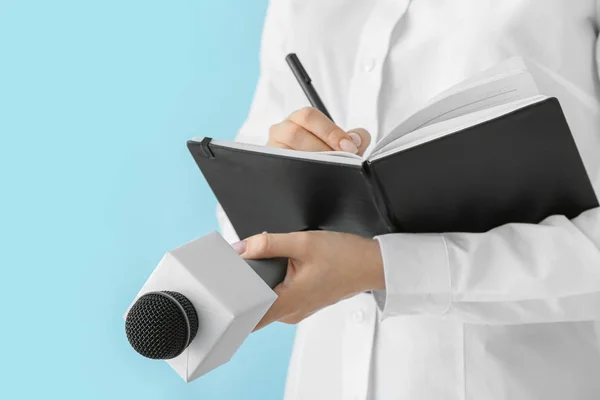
(509, 314)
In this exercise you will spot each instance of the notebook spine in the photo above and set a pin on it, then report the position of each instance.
(379, 199)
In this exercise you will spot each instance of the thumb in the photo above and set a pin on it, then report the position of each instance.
(361, 138)
(270, 245)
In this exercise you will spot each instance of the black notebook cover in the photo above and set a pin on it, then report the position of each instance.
(520, 167)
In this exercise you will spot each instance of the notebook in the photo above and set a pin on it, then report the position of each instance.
(489, 151)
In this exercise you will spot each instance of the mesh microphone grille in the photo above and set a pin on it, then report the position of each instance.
(156, 328)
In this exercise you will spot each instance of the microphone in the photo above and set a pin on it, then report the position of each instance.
(199, 305)
(161, 325)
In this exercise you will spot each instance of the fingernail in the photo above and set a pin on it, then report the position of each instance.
(348, 146)
(240, 247)
(355, 138)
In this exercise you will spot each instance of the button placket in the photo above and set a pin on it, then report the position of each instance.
(368, 71)
(358, 316)
(363, 112)
(369, 64)
(358, 346)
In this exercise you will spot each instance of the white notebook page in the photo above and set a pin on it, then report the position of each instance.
(447, 127)
(471, 98)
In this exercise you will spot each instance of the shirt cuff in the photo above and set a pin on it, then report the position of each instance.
(417, 275)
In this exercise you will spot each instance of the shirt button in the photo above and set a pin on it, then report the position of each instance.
(368, 65)
(358, 316)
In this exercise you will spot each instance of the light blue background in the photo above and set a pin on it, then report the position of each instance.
(97, 100)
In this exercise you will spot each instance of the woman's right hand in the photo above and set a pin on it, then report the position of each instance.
(308, 129)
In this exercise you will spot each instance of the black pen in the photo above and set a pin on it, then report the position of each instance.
(305, 83)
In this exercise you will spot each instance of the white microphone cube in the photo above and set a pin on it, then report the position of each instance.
(229, 297)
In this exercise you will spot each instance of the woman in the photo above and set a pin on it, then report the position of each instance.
(509, 314)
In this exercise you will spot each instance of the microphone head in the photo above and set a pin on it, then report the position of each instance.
(161, 325)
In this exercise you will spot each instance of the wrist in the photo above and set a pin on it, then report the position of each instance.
(373, 266)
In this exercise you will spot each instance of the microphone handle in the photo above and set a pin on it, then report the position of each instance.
(270, 270)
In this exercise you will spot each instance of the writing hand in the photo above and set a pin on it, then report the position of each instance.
(308, 129)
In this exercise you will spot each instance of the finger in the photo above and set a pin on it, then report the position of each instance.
(361, 138)
(296, 137)
(293, 319)
(270, 245)
(279, 145)
(316, 122)
(271, 316)
(266, 320)
(279, 309)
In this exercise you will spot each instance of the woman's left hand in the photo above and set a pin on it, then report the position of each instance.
(324, 268)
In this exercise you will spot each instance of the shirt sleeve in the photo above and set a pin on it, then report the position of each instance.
(514, 274)
(268, 103)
